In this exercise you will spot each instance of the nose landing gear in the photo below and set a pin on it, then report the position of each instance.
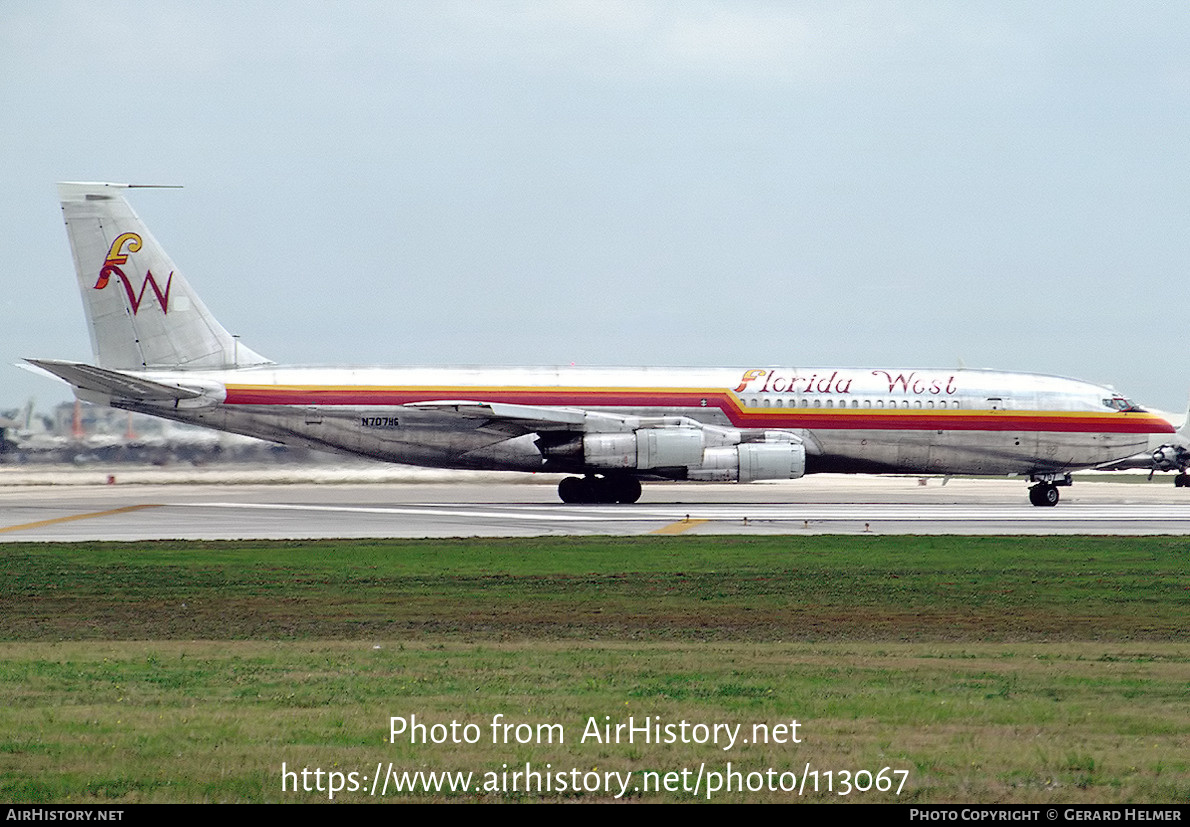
(1045, 492)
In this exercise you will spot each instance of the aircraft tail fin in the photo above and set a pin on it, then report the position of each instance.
(141, 311)
(1184, 428)
(26, 419)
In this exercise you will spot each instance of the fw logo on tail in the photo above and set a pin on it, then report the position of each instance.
(117, 254)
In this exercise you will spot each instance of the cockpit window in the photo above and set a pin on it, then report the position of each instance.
(1119, 403)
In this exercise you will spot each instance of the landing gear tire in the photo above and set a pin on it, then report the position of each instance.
(1181, 481)
(615, 489)
(627, 489)
(1043, 494)
(574, 490)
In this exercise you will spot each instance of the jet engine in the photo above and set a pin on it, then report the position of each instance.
(707, 454)
(644, 448)
(752, 461)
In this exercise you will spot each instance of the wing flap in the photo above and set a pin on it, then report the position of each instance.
(532, 416)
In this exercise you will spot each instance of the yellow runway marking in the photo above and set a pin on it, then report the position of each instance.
(40, 523)
(679, 526)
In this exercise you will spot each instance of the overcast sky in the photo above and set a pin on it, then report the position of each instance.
(685, 183)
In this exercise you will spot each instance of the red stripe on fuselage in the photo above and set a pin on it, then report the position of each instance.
(739, 416)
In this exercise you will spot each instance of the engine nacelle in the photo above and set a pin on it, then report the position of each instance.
(645, 448)
(1169, 457)
(752, 461)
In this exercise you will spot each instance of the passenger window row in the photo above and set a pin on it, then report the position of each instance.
(798, 402)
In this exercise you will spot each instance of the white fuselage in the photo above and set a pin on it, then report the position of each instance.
(850, 419)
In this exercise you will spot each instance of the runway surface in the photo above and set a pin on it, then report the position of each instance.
(501, 507)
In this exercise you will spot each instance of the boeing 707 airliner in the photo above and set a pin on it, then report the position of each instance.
(159, 350)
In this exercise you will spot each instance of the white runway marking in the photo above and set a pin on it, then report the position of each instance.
(428, 510)
(734, 513)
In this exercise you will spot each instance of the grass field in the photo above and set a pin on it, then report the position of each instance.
(987, 669)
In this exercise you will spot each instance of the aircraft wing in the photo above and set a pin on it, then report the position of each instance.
(523, 418)
(540, 418)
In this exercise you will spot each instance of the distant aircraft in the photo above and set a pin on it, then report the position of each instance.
(158, 350)
(21, 420)
(16, 427)
(1165, 452)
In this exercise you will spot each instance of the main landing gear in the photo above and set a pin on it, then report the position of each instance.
(614, 488)
(1045, 492)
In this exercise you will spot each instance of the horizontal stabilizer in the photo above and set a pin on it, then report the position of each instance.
(114, 383)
